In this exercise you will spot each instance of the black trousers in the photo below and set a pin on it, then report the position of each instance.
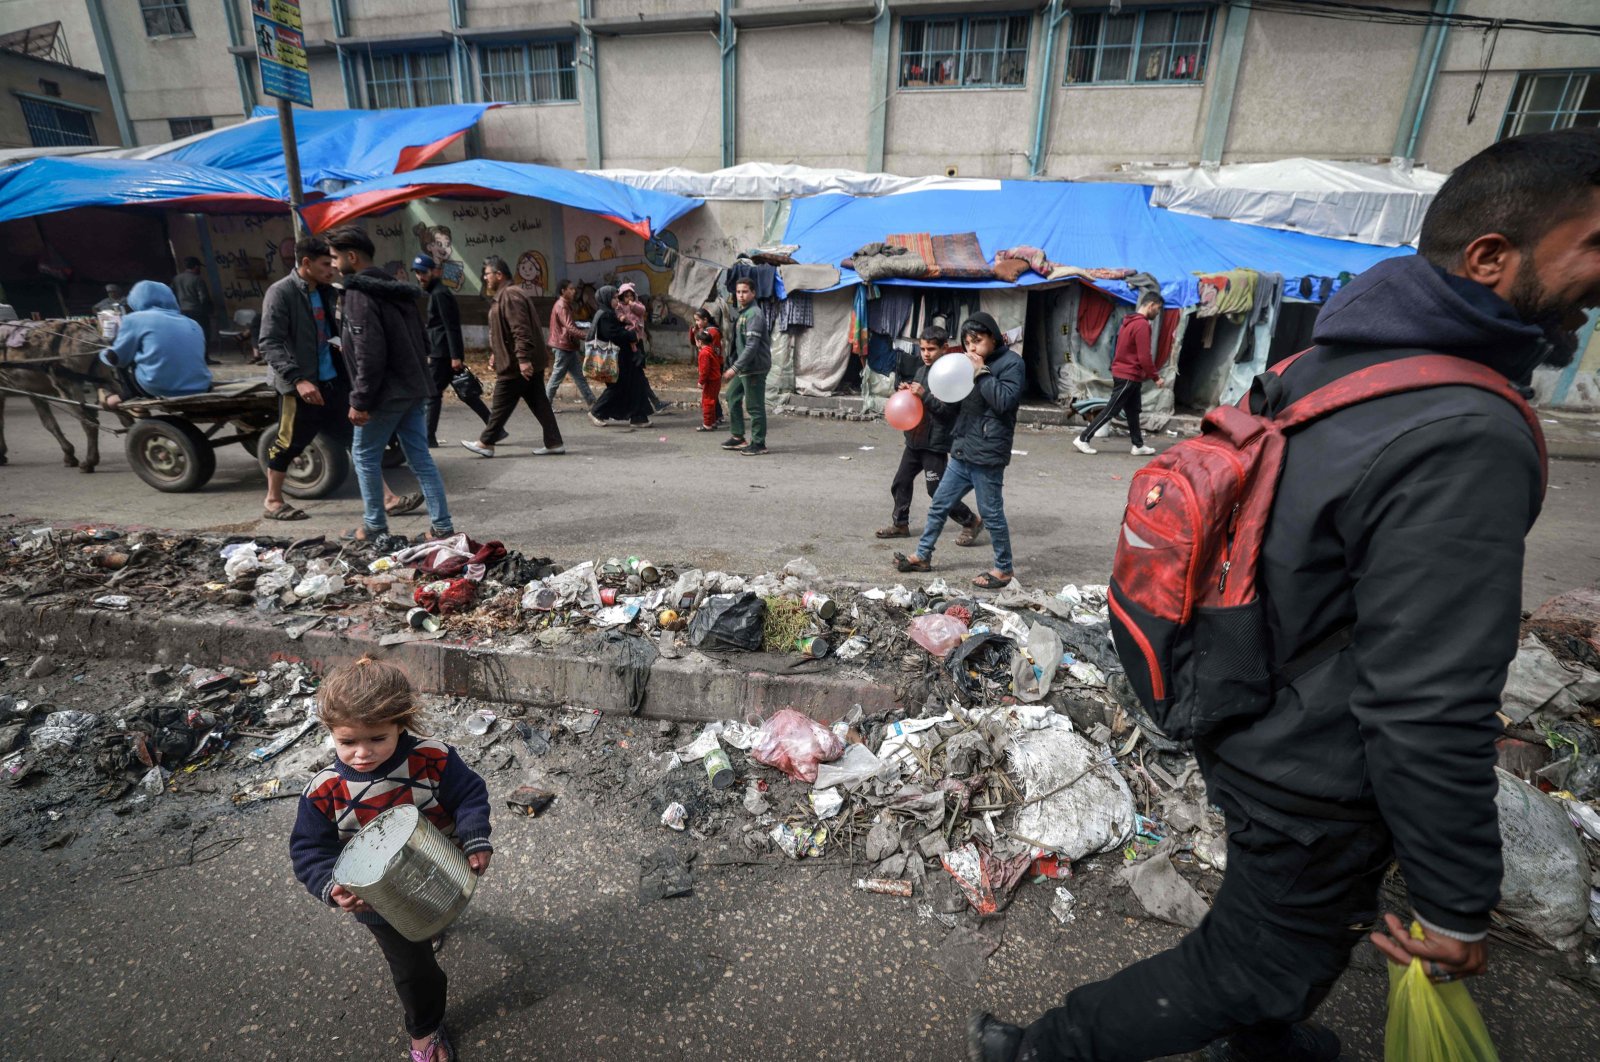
(442, 375)
(929, 465)
(418, 980)
(299, 422)
(1125, 396)
(508, 391)
(1298, 895)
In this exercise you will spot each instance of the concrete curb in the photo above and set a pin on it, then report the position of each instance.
(691, 688)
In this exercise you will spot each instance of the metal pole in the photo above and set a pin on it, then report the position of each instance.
(291, 165)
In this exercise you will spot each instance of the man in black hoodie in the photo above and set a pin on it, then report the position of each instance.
(1392, 571)
(384, 349)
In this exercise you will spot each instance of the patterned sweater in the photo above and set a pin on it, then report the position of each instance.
(341, 800)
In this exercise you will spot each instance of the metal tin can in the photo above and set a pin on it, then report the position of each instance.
(718, 769)
(608, 595)
(813, 647)
(820, 604)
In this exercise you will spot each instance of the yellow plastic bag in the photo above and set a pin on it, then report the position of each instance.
(1430, 1022)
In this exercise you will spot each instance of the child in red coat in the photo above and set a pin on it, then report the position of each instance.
(708, 341)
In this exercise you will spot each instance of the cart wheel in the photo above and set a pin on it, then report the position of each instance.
(170, 454)
(251, 442)
(319, 470)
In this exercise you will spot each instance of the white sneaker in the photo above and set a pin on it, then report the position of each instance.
(1137, 451)
(545, 450)
(478, 448)
(1083, 447)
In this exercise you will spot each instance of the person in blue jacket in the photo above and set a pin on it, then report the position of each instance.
(158, 352)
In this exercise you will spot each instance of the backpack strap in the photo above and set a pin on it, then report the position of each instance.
(1416, 373)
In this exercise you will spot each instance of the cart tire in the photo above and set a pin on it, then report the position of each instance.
(321, 468)
(170, 454)
(252, 443)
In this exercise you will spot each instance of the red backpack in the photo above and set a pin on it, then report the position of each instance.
(1186, 617)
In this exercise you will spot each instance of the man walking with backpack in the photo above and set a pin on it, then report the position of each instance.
(1339, 659)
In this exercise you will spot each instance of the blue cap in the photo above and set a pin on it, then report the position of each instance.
(423, 263)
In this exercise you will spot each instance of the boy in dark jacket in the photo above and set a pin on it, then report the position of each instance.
(385, 352)
(981, 448)
(446, 354)
(927, 449)
(1392, 568)
(1133, 364)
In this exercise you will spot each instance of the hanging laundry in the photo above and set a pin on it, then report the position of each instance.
(889, 312)
(1094, 312)
(763, 276)
(795, 311)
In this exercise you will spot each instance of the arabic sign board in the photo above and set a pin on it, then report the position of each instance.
(281, 50)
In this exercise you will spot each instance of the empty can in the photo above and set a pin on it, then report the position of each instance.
(408, 871)
(718, 769)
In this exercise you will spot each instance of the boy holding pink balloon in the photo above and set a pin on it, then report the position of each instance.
(926, 422)
(985, 384)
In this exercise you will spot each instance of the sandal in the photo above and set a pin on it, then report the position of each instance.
(911, 564)
(894, 531)
(284, 512)
(408, 503)
(988, 581)
(969, 537)
(439, 1041)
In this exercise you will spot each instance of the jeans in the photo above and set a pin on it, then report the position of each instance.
(987, 481)
(1125, 396)
(749, 391)
(410, 426)
(569, 363)
(418, 980)
(1299, 894)
(928, 466)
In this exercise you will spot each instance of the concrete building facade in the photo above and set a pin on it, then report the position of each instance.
(1002, 89)
(45, 100)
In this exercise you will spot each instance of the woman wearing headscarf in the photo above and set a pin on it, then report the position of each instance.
(627, 400)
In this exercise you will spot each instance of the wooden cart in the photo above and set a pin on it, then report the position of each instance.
(172, 443)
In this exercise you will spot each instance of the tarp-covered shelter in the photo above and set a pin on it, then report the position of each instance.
(638, 210)
(52, 185)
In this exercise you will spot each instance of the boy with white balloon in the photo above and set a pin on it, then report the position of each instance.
(928, 423)
(987, 381)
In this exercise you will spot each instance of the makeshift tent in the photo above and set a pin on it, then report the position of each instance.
(1088, 225)
(50, 185)
(640, 211)
(1379, 204)
(762, 181)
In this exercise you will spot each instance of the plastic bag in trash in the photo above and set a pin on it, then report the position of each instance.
(856, 766)
(1034, 669)
(795, 744)
(1431, 1022)
(62, 730)
(323, 578)
(729, 622)
(1089, 808)
(1544, 890)
(937, 632)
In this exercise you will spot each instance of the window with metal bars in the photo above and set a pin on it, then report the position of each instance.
(182, 127)
(1150, 46)
(531, 72)
(165, 18)
(969, 51)
(1545, 100)
(50, 125)
(408, 79)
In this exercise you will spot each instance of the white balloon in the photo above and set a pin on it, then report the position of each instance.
(951, 377)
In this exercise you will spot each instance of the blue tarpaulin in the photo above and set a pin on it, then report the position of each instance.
(638, 209)
(48, 185)
(335, 146)
(1090, 225)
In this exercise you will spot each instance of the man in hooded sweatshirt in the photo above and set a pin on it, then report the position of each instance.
(1392, 570)
(159, 352)
(384, 348)
(980, 450)
(1133, 364)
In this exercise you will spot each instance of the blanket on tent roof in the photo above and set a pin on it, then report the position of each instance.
(877, 261)
(955, 256)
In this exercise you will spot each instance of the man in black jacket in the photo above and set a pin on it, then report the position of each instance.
(386, 354)
(1396, 542)
(927, 449)
(446, 354)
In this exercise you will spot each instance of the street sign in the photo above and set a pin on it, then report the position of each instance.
(281, 50)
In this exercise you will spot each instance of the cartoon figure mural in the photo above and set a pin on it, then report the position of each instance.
(533, 273)
(580, 250)
(437, 242)
(607, 250)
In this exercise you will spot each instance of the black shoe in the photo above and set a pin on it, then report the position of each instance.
(735, 442)
(754, 450)
(1305, 1042)
(433, 444)
(991, 1040)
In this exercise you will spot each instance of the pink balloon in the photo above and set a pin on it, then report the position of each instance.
(903, 411)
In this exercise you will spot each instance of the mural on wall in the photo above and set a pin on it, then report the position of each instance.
(598, 252)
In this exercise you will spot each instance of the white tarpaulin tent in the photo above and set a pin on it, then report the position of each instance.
(757, 181)
(1366, 202)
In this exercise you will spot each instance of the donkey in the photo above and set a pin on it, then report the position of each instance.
(73, 372)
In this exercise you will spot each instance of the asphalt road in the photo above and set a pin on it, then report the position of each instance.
(668, 493)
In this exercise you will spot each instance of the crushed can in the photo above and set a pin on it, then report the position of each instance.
(407, 871)
(820, 605)
(718, 769)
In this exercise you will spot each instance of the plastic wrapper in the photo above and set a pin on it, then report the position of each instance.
(1089, 808)
(1431, 1022)
(63, 730)
(729, 622)
(937, 633)
(1544, 889)
(856, 766)
(795, 744)
(1034, 669)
